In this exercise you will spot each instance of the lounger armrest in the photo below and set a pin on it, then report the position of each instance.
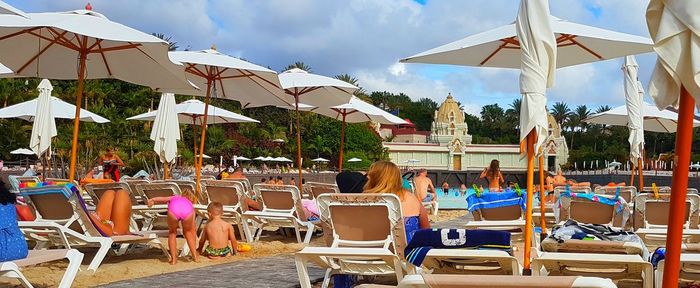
(346, 253)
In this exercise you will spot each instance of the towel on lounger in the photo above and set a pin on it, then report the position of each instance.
(494, 200)
(426, 239)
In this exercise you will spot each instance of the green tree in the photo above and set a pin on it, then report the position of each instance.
(300, 65)
(560, 111)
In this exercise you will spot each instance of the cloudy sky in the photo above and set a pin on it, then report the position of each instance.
(365, 38)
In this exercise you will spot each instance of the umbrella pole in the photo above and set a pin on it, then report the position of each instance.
(531, 137)
(200, 157)
(342, 143)
(194, 138)
(76, 121)
(679, 189)
(165, 171)
(543, 221)
(632, 176)
(296, 107)
(641, 172)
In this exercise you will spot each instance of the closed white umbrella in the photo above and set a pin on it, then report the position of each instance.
(166, 131)
(634, 94)
(675, 27)
(351, 160)
(61, 110)
(320, 160)
(655, 120)
(22, 151)
(317, 90)
(44, 126)
(99, 48)
(223, 76)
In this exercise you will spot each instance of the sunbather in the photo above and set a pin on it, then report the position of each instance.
(180, 209)
(219, 233)
(12, 243)
(385, 177)
(493, 175)
(113, 213)
(424, 187)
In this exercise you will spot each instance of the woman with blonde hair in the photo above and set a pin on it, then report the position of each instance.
(385, 177)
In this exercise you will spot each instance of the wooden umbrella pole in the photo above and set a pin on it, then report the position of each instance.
(76, 121)
(296, 107)
(543, 221)
(165, 170)
(194, 138)
(632, 176)
(200, 157)
(679, 187)
(641, 169)
(342, 143)
(531, 137)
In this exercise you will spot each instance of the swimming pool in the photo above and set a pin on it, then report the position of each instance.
(455, 200)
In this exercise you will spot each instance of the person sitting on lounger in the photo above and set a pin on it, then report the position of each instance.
(385, 177)
(237, 174)
(424, 187)
(219, 233)
(13, 246)
(493, 175)
(560, 180)
(180, 210)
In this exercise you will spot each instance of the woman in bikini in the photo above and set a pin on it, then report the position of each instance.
(493, 175)
(110, 165)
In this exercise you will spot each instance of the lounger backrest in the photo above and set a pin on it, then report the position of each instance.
(158, 189)
(626, 192)
(281, 198)
(587, 246)
(246, 185)
(56, 180)
(364, 220)
(572, 189)
(133, 183)
(188, 186)
(654, 212)
(225, 192)
(27, 179)
(505, 213)
(207, 177)
(586, 211)
(50, 203)
(96, 190)
(662, 189)
(321, 188)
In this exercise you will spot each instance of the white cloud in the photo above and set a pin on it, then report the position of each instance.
(397, 69)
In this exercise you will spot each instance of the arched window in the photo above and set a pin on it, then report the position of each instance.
(452, 116)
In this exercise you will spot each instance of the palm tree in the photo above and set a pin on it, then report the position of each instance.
(172, 45)
(299, 65)
(582, 113)
(603, 108)
(352, 80)
(318, 145)
(560, 111)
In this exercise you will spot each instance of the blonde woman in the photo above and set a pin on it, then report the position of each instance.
(385, 177)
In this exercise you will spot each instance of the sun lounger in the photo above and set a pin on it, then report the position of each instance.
(595, 212)
(12, 268)
(15, 181)
(281, 208)
(506, 218)
(368, 237)
(626, 192)
(653, 213)
(65, 223)
(613, 266)
(475, 281)
(132, 186)
(317, 189)
(655, 237)
(187, 185)
(689, 272)
(478, 262)
(230, 194)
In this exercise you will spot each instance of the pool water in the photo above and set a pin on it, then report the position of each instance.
(455, 200)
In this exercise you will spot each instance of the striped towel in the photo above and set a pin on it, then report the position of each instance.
(494, 200)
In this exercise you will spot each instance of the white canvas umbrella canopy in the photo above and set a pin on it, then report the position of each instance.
(166, 131)
(655, 120)
(61, 110)
(259, 158)
(22, 151)
(578, 44)
(268, 158)
(675, 27)
(283, 159)
(320, 160)
(47, 43)
(44, 126)
(317, 90)
(241, 158)
(192, 111)
(354, 160)
(634, 94)
(7, 9)
(223, 76)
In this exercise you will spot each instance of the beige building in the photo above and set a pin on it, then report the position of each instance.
(449, 146)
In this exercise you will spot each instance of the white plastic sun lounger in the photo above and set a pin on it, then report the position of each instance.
(475, 281)
(368, 237)
(690, 269)
(11, 269)
(613, 266)
(507, 218)
(281, 208)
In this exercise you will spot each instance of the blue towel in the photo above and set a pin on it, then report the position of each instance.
(426, 239)
(494, 200)
(615, 201)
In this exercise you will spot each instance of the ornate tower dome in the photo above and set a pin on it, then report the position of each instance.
(449, 111)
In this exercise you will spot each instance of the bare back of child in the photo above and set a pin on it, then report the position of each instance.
(218, 233)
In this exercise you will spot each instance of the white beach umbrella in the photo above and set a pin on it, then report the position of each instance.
(22, 151)
(166, 130)
(47, 43)
(675, 27)
(278, 140)
(634, 94)
(61, 110)
(351, 160)
(241, 158)
(222, 76)
(655, 120)
(270, 159)
(283, 159)
(44, 126)
(316, 90)
(320, 160)
(205, 156)
(259, 158)
(191, 112)
(7, 9)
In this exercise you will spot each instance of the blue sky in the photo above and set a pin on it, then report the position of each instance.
(365, 38)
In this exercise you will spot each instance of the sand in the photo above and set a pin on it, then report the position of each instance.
(150, 261)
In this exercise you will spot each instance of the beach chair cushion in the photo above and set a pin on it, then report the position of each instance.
(426, 239)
